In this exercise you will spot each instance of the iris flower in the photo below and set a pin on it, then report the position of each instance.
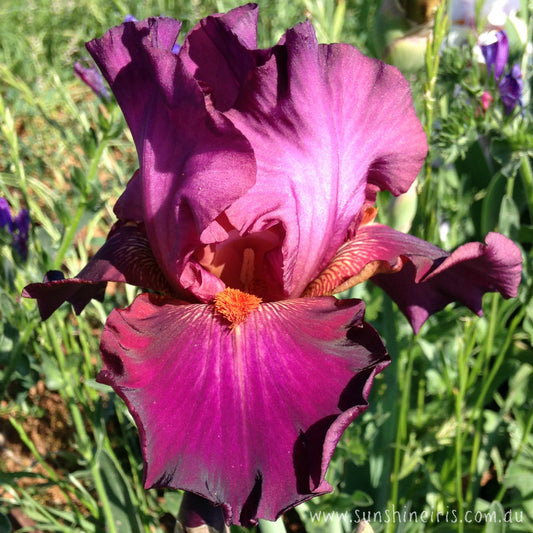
(92, 78)
(496, 51)
(511, 87)
(252, 206)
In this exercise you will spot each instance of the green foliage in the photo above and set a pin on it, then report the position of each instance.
(449, 425)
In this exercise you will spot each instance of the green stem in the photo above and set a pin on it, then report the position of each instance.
(387, 433)
(432, 69)
(477, 412)
(527, 180)
(459, 406)
(69, 235)
(495, 368)
(523, 440)
(484, 357)
(401, 435)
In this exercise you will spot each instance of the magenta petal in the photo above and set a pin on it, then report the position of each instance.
(125, 257)
(129, 205)
(128, 72)
(432, 278)
(55, 290)
(326, 123)
(247, 418)
(194, 163)
(218, 52)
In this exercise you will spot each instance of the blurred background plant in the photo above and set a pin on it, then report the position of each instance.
(449, 425)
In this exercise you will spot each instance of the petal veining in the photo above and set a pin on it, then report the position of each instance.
(420, 277)
(326, 123)
(249, 416)
(125, 257)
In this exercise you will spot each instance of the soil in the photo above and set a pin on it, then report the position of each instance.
(49, 433)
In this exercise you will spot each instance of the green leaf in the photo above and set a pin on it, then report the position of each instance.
(503, 153)
(120, 496)
(490, 208)
(474, 166)
(5, 525)
(495, 518)
(509, 219)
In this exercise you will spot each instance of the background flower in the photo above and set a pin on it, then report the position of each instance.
(18, 228)
(511, 87)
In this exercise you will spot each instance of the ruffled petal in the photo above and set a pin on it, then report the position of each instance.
(126, 257)
(463, 276)
(128, 71)
(420, 277)
(194, 163)
(218, 51)
(247, 417)
(328, 127)
(55, 290)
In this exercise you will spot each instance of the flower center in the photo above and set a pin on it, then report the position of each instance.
(250, 263)
(235, 305)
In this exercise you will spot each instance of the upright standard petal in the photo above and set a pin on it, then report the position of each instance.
(194, 163)
(128, 71)
(220, 51)
(247, 417)
(420, 277)
(324, 122)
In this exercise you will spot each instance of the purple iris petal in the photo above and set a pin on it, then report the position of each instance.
(129, 205)
(125, 257)
(130, 18)
(511, 87)
(283, 121)
(421, 278)
(5, 215)
(324, 121)
(246, 417)
(92, 78)
(186, 184)
(496, 54)
(432, 278)
(18, 228)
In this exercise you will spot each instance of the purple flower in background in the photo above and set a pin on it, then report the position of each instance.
(5, 215)
(130, 18)
(17, 227)
(21, 228)
(496, 53)
(252, 206)
(511, 87)
(92, 78)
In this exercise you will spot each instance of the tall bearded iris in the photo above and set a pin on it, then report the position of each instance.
(253, 204)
